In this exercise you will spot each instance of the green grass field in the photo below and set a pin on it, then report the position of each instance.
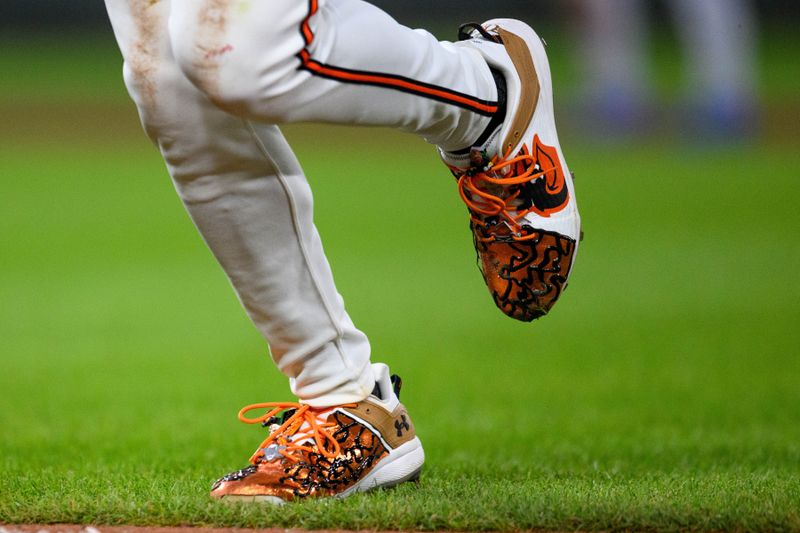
(663, 393)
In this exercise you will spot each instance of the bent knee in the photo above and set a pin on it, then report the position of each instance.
(153, 90)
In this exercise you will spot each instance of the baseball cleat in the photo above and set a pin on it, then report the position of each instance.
(332, 451)
(516, 184)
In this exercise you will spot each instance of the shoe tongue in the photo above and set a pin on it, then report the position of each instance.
(322, 417)
(272, 452)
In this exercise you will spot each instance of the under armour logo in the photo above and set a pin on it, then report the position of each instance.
(399, 425)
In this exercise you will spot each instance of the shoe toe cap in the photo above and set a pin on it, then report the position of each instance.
(252, 484)
(526, 277)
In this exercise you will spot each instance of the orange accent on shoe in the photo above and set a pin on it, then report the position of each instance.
(489, 193)
(525, 267)
(289, 433)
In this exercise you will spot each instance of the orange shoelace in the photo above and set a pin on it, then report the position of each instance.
(472, 187)
(288, 436)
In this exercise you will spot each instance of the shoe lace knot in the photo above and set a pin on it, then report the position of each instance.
(301, 429)
(494, 192)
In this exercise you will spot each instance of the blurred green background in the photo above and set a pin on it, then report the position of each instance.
(662, 393)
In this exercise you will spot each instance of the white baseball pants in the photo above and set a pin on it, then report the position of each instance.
(210, 77)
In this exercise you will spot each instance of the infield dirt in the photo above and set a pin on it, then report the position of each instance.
(72, 528)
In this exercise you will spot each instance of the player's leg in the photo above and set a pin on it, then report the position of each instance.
(332, 61)
(247, 195)
(348, 62)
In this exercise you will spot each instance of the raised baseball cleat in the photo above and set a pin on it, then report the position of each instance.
(328, 452)
(515, 182)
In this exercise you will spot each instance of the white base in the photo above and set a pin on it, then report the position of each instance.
(402, 464)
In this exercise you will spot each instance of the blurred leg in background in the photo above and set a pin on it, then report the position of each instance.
(719, 44)
(613, 42)
(717, 38)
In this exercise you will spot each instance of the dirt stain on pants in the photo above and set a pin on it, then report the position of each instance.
(210, 45)
(143, 58)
